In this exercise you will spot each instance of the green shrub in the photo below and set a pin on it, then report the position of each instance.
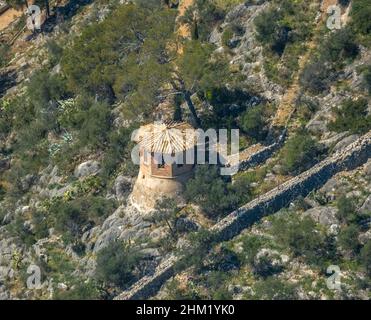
(71, 217)
(339, 46)
(265, 267)
(227, 36)
(360, 15)
(274, 289)
(202, 17)
(80, 291)
(55, 52)
(367, 78)
(118, 152)
(346, 210)
(316, 76)
(366, 257)
(304, 239)
(176, 291)
(283, 24)
(251, 246)
(39, 221)
(117, 264)
(210, 191)
(348, 239)
(352, 116)
(299, 153)
(95, 126)
(253, 122)
(4, 54)
(22, 231)
(44, 90)
(269, 30)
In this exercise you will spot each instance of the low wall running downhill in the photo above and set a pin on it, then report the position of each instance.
(351, 157)
(263, 154)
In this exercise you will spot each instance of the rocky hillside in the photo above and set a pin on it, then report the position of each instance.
(72, 93)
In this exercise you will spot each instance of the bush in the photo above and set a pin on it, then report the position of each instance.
(117, 264)
(346, 210)
(348, 239)
(299, 153)
(71, 217)
(2, 194)
(44, 90)
(274, 289)
(360, 15)
(367, 78)
(253, 122)
(304, 239)
(251, 245)
(366, 257)
(210, 191)
(180, 291)
(95, 126)
(265, 266)
(4, 54)
(270, 31)
(352, 116)
(344, 3)
(339, 46)
(227, 37)
(55, 52)
(208, 15)
(80, 291)
(316, 76)
(118, 149)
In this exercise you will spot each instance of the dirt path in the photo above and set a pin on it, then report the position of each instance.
(8, 17)
(184, 30)
(287, 105)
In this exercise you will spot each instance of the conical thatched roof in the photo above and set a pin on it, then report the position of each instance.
(167, 137)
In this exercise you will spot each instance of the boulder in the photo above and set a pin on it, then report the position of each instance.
(317, 126)
(4, 164)
(122, 187)
(346, 142)
(323, 215)
(367, 168)
(28, 181)
(87, 168)
(107, 237)
(185, 225)
(366, 206)
(363, 238)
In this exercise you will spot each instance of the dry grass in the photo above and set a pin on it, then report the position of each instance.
(8, 17)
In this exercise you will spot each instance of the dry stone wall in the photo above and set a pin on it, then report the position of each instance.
(262, 155)
(347, 159)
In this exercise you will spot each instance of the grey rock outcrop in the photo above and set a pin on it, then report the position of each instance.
(366, 206)
(346, 142)
(323, 215)
(122, 187)
(87, 168)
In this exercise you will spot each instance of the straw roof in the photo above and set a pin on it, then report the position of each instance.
(167, 137)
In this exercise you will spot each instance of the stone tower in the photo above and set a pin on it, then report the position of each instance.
(164, 151)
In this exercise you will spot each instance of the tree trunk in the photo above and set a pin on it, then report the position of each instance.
(187, 97)
(47, 8)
